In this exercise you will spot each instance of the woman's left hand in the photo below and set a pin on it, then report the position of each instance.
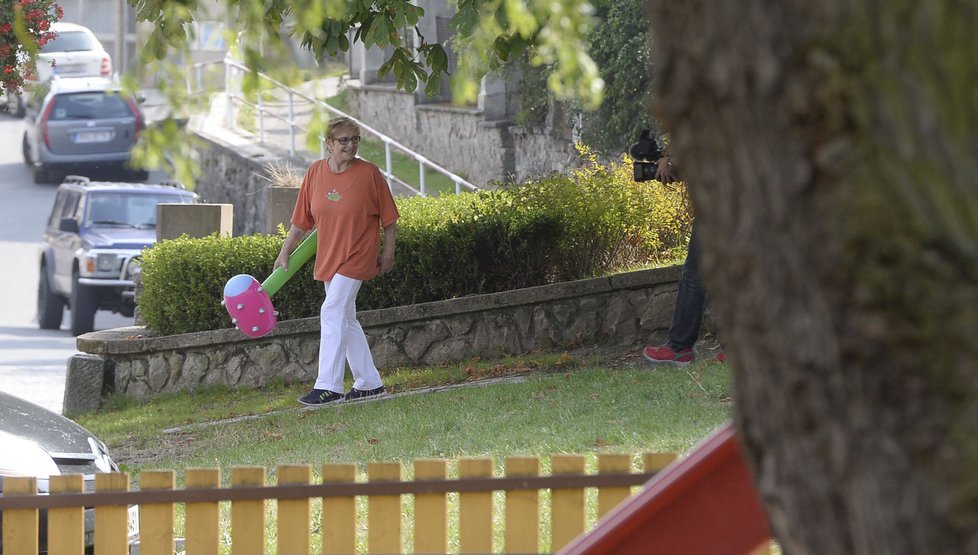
(386, 262)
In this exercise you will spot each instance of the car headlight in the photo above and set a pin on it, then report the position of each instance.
(132, 268)
(101, 262)
(25, 458)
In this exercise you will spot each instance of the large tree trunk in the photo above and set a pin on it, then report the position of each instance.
(831, 150)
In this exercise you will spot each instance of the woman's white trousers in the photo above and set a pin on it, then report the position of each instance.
(341, 339)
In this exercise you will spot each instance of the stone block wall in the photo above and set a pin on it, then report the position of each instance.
(236, 174)
(627, 309)
(461, 139)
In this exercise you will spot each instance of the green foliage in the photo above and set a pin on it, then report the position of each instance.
(491, 31)
(562, 227)
(590, 222)
(619, 45)
(534, 99)
(487, 33)
(25, 26)
(183, 281)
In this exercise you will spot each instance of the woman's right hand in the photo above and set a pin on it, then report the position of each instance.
(281, 260)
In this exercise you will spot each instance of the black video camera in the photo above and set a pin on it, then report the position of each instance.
(645, 155)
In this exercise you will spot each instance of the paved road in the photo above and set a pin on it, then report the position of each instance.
(32, 361)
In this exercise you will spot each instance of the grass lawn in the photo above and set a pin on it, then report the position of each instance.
(559, 403)
(536, 405)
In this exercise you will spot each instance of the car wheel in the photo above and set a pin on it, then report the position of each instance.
(41, 175)
(25, 149)
(82, 307)
(50, 305)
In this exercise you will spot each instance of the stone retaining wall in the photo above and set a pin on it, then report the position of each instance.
(461, 139)
(237, 174)
(626, 309)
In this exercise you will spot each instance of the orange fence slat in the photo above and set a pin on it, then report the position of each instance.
(610, 497)
(384, 511)
(430, 510)
(566, 505)
(203, 519)
(383, 496)
(293, 514)
(655, 462)
(475, 509)
(339, 513)
(66, 525)
(156, 519)
(522, 509)
(112, 521)
(247, 517)
(20, 526)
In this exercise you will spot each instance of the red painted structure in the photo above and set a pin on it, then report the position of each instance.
(704, 504)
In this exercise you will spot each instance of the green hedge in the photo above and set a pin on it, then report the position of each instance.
(561, 227)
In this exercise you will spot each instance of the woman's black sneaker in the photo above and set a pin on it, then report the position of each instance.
(320, 397)
(355, 393)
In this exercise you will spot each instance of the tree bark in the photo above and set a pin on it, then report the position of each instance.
(831, 152)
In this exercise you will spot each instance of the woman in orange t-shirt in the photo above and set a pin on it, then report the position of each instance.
(347, 200)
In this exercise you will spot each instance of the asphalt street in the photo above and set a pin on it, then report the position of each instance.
(33, 362)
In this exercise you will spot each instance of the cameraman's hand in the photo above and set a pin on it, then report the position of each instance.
(665, 171)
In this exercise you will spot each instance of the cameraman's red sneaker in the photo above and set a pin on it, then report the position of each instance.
(665, 355)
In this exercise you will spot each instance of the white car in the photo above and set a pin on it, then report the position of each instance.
(74, 52)
(37, 442)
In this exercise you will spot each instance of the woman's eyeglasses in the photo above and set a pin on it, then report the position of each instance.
(346, 140)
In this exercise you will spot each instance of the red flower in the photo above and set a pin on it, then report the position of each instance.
(38, 16)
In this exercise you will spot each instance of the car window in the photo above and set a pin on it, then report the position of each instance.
(35, 96)
(69, 209)
(69, 41)
(127, 209)
(89, 105)
(105, 210)
(59, 203)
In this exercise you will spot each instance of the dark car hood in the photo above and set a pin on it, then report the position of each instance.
(119, 237)
(50, 431)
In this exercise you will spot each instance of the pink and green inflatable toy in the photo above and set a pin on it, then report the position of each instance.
(249, 303)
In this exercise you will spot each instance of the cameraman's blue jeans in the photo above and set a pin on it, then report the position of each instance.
(687, 315)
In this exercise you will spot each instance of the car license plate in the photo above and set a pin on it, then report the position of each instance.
(69, 69)
(133, 522)
(92, 137)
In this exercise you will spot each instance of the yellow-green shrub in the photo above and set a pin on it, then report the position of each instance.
(561, 227)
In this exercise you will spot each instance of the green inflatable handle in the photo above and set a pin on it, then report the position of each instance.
(301, 254)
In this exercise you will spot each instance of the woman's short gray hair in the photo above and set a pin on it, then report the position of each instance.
(341, 122)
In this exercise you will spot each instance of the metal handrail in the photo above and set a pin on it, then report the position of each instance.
(390, 144)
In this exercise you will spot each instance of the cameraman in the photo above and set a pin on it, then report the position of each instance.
(687, 314)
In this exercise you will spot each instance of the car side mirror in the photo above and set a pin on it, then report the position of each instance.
(140, 97)
(68, 225)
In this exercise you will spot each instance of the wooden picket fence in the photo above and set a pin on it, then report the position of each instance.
(384, 490)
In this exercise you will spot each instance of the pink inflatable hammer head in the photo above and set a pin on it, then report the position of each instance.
(249, 305)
